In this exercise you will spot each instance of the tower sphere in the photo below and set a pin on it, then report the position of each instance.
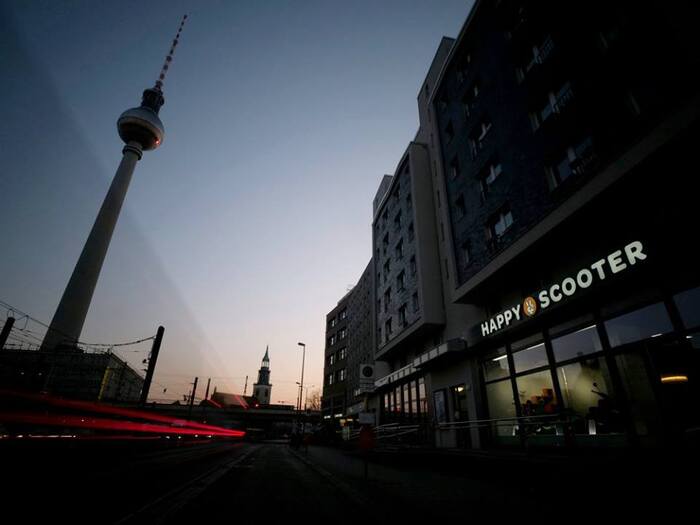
(141, 125)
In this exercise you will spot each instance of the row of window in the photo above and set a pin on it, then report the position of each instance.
(336, 377)
(408, 400)
(342, 334)
(337, 356)
(384, 219)
(402, 317)
(341, 317)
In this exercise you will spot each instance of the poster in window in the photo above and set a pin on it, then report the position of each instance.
(440, 410)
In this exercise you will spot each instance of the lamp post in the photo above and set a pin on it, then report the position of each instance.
(301, 385)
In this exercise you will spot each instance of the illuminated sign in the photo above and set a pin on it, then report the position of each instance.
(616, 262)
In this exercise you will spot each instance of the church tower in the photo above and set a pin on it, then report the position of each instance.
(262, 389)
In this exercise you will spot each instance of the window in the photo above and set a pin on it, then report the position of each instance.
(586, 389)
(342, 334)
(442, 101)
(460, 207)
(555, 104)
(529, 358)
(454, 168)
(499, 396)
(412, 265)
(385, 244)
(387, 299)
(470, 100)
(411, 233)
(343, 314)
(329, 379)
(387, 269)
(341, 375)
(464, 252)
(535, 55)
(331, 360)
(688, 304)
(651, 321)
(332, 322)
(478, 137)
(577, 160)
(414, 300)
(401, 281)
(487, 177)
(495, 365)
(387, 329)
(399, 250)
(397, 221)
(576, 344)
(331, 341)
(537, 394)
(402, 316)
(449, 132)
(342, 353)
(499, 224)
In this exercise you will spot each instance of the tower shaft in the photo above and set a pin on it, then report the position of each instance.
(67, 322)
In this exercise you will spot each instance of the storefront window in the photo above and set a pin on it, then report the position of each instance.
(414, 397)
(406, 400)
(688, 304)
(532, 357)
(537, 394)
(576, 344)
(587, 390)
(635, 379)
(495, 365)
(397, 394)
(422, 397)
(641, 324)
(501, 405)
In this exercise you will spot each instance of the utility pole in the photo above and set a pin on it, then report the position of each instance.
(194, 391)
(6, 331)
(245, 388)
(206, 394)
(155, 349)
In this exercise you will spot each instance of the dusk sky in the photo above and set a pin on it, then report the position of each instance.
(253, 218)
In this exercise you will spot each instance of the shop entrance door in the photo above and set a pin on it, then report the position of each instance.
(461, 415)
(675, 369)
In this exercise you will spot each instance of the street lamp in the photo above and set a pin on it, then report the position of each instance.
(301, 385)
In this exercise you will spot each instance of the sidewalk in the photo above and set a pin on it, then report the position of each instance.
(439, 482)
(409, 490)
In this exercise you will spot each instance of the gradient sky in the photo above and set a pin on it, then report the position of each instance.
(253, 218)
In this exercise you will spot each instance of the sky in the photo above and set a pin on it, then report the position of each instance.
(253, 218)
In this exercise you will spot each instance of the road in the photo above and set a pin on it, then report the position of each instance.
(225, 482)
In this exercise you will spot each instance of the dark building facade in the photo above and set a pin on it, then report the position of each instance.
(349, 344)
(360, 338)
(564, 136)
(75, 374)
(334, 400)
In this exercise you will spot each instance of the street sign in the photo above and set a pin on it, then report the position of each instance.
(366, 418)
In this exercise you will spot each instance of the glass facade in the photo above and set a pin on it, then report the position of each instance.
(405, 403)
(633, 376)
(651, 321)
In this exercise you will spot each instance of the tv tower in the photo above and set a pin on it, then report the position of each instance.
(141, 130)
